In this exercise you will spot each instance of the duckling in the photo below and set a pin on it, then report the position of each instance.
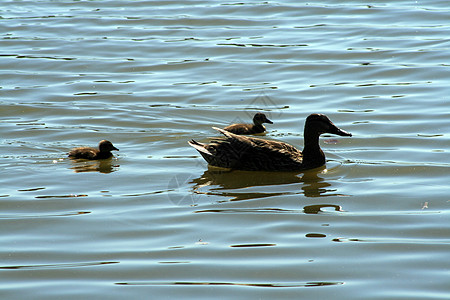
(104, 151)
(255, 128)
(254, 154)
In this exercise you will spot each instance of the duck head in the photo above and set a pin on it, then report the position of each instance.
(260, 118)
(106, 146)
(320, 123)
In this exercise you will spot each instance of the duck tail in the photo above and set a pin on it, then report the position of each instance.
(224, 132)
(199, 147)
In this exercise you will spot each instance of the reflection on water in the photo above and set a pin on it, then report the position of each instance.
(316, 186)
(315, 209)
(276, 285)
(58, 266)
(252, 245)
(242, 179)
(237, 185)
(308, 209)
(250, 211)
(102, 166)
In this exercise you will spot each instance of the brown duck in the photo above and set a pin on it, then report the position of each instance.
(254, 154)
(255, 128)
(104, 151)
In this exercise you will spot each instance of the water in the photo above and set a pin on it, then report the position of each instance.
(154, 221)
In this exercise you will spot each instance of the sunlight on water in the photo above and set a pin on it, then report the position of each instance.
(155, 219)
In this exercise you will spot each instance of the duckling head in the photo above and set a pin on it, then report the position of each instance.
(106, 146)
(260, 118)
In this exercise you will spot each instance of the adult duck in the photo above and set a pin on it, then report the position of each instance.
(254, 154)
(255, 128)
(104, 151)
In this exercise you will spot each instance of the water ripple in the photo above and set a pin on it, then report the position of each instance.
(264, 285)
(57, 266)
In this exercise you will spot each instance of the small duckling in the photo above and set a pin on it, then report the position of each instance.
(255, 128)
(104, 151)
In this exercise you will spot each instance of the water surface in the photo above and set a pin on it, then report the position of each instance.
(154, 220)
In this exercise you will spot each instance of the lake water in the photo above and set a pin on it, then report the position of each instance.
(154, 222)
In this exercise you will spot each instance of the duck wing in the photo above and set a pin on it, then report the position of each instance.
(249, 153)
(277, 146)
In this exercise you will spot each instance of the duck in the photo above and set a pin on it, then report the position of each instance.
(104, 151)
(245, 129)
(247, 153)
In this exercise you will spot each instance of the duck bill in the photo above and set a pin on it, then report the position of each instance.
(268, 121)
(339, 131)
(114, 148)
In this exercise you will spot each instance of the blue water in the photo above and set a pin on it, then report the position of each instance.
(154, 221)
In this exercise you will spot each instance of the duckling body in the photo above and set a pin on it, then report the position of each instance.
(254, 154)
(245, 129)
(104, 151)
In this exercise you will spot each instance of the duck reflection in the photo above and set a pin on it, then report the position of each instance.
(225, 183)
(315, 209)
(236, 179)
(316, 186)
(103, 166)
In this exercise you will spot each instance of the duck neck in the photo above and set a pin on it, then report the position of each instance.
(259, 127)
(104, 154)
(312, 154)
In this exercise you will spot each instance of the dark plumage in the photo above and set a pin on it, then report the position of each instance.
(104, 151)
(254, 154)
(255, 128)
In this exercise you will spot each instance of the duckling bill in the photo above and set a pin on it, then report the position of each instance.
(246, 129)
(104, 151)
(254, 154)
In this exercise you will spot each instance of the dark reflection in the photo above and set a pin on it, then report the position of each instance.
(315, 209)
(236, 179)
(61, 196)
(268, 284)
(32, 189)
(233, 185)
(58, 266)
(101, 165)
(30, 216)
(315, 235)
(226, 183)
(311, 183)
(248, 211)
(252, 245)
(343, 240)
(316, 186)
